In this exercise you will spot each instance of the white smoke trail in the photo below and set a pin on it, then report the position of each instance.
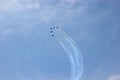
(73, 52)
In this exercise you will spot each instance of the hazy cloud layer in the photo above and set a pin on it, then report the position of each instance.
(114, 77)
(23, 15)
(18, 5)
(93, 24)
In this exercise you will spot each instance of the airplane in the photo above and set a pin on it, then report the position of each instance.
(54, 27)
(57, 27)
(50, 28)
(52, 35)
(51, 31)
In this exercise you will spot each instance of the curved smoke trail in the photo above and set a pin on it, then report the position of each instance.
(72, 50)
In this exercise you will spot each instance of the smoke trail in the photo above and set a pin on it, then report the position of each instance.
(72, 50)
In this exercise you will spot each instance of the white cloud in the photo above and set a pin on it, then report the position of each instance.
(13, 5)
(5, 32)
(26, 14)
(115, 77)
(71, 1)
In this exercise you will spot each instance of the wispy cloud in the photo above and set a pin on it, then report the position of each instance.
(17, 5)
(114, 77)
(6, 32)
(33, 12)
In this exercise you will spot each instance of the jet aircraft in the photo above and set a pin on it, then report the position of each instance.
(52, 35)
(51, 31)
(52, 28)
(57, 27)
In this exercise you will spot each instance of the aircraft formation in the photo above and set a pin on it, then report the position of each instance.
(51, 30)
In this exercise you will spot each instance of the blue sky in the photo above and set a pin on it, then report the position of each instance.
(27, 51)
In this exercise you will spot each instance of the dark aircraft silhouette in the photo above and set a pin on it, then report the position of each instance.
(51, 31)
(57, 27)
(52, 35)
(50, 28)
(54, 27)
